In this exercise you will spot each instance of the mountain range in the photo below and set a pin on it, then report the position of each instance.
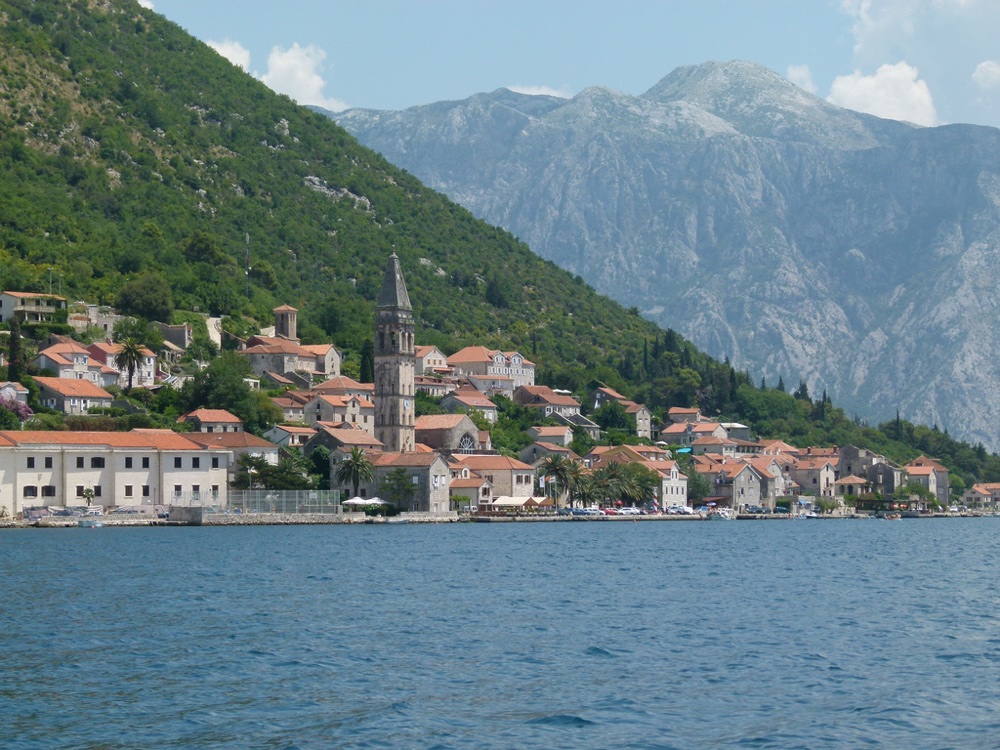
(800, 240)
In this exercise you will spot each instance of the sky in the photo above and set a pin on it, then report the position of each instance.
(930, 62)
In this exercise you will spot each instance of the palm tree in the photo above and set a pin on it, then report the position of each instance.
(355, 469)
(129, 357)
(576, 480)
(556, 468)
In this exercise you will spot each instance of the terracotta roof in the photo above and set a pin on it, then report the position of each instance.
(438, 421)
(472, 398)
(295, 430)
(920, 471)
(284, 308)
(138, 439)
(34, 295)
(348, 436)
(404, 459)
(853, 479)
(113, 349)
(485, 463)
(72, 387)
(210, 415)
(470, 483)
(229, 440)
(550, 431)
(320, 350)
(343, 383)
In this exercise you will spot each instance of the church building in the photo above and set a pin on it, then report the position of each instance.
(395, 362)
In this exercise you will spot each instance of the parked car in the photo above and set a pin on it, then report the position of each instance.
(609, 511)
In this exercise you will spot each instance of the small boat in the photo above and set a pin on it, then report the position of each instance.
(722, 514)
(89, 523)
(892, 516)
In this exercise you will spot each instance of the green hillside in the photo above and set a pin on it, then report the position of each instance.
(133, 156)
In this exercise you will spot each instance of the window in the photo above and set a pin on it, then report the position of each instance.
(128, 490)
(177, 490)
(48, 462)
(145, 462)
(215, 491)
(49, 490)
(177, 462)
(31, 462)
(79, 490)
(215, 462)
(30, 490)
(145, 490)
(97, 462)
(195, 463)
(97, 490)
(128, 462)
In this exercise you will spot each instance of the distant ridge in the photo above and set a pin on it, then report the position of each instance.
(767, 225)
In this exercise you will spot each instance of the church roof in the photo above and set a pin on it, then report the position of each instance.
(393, 292)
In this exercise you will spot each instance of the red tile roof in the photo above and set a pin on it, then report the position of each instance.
(73, 388)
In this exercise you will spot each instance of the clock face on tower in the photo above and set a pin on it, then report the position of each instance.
(406, 403)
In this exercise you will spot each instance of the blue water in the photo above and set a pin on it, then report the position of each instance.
(810, 634)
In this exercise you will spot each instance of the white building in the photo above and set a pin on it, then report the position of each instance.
(142, 467)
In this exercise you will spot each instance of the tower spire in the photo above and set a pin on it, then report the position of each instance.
(395, 362)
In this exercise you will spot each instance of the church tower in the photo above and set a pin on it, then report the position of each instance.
(395, 362)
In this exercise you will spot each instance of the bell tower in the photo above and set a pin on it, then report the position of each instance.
(395, 362)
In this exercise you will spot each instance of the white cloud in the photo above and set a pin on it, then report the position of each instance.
(148, 4)
(894, 92)
(294, 72)
(987, 74)
(540, 91)
(235, 52)
(801, 76)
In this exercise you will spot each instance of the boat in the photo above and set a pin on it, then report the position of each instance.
(89, 523)
(892, 516)
(722, 514)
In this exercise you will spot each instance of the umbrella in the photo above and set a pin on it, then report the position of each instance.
(710, 505)
(364, 501)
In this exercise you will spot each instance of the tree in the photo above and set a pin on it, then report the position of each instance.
(613, 416)
(319, 461)
(129, 357)
(367, 373)
(355, 469)
(556, 469)
(698, 486)
(15, 352)
(147, 296)
(397, 488)
(250, 471)
(221, 385)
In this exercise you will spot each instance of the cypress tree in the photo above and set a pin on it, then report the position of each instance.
(15, 352)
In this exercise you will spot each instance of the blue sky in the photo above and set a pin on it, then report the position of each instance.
(927, 61)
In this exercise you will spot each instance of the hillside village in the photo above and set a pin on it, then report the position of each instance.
(444, 462)
(431, 463)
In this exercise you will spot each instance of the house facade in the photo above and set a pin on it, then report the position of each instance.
(483, 362)
(74, 397)
(70, 361)
(142, 467)
(144, 375)
(31, 307)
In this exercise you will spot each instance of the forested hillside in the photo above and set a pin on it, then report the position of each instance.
(136, 159)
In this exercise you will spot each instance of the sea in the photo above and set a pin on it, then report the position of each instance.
(778, 634)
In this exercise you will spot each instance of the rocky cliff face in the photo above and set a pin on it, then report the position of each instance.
(796, 238)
